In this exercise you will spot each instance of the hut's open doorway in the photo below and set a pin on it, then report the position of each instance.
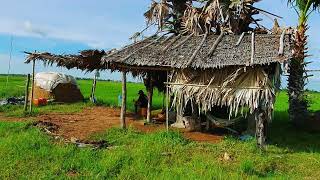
(154, 82)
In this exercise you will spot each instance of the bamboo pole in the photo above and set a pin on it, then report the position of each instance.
(124, 101)
(144, 47)
(172, 42)
(32, 87)
(93, 89)
(150, 94)
(183, 41)
(281, 46)
(197, 50)
(206, 86)
(215, 45)
(26, 94)
(240, 39)
(167, 104)
(126, 47)
(253, 47)
(167, 39)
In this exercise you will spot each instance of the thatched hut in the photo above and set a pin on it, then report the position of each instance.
(240, 72)
(237, 72)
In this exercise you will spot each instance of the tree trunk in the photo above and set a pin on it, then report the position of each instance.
(124, 101)
(261, 127)
(93, 89)
(298, 105)
(252, 124)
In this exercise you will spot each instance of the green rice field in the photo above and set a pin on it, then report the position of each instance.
(27, 153)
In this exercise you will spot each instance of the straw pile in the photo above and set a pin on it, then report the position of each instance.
(67, 93)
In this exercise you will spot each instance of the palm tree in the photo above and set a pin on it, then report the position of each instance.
(212, 16)
(298, 105)
(184, 17)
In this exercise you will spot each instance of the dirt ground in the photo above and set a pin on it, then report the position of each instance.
(98, 119)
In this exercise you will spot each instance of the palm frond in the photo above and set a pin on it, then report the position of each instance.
(159, 13)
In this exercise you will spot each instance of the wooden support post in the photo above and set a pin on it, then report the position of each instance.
(124, 101)
(93, 89)
(32, 87)
(167, 103)
(150, 94)
(261, 127)
(27, 93)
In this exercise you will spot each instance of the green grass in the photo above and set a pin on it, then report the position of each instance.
(107, 93)
(26, 152)
(15, 86)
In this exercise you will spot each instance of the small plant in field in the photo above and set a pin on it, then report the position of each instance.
(247, 167)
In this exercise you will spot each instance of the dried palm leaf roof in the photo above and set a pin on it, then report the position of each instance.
(178, 52)
(192, 51)
(87, 60)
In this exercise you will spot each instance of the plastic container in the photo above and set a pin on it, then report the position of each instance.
(119, 100)
(43, 101)
(40, 102)
(36, 102)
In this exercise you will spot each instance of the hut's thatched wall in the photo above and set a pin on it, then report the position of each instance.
(234, 87)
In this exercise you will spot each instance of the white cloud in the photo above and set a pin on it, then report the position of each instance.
(34, 30)
(91, 36)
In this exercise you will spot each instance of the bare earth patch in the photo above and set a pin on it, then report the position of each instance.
(98, 119)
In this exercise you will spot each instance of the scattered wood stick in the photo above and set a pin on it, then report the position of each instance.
(149, 44)
(253, 48)
(281, 48)
(215, 45)
(183, 41)
(198, 49)
(240, 39)
(172, 42)
(126, 47)
(167, 39)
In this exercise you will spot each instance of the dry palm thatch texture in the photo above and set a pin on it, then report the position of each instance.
(161, 54)
(88, 60)
(228, 52)
(234, 87)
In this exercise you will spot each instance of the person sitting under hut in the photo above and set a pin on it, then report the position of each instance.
(142, 102)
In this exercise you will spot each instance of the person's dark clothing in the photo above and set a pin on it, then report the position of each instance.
(143, 101)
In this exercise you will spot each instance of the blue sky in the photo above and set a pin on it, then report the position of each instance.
(68, 26)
